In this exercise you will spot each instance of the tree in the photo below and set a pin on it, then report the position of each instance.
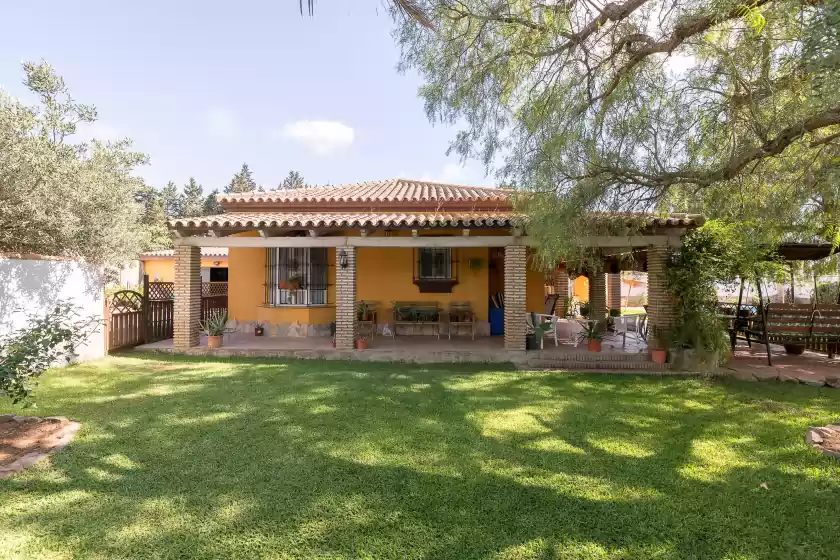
(172, 201)
(242, 181)
(211, 205)
(59, 197)
(154, 217)
(293, 180)
(725, 108)
(192, 199)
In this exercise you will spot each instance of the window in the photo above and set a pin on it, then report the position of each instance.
(296, 276)
(436, 264)
(435, 270)
(218, 274)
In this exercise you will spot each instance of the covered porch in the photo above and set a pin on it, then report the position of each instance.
(616, 354)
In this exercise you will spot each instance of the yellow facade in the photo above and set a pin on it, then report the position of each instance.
(163, 270)
(384, 275)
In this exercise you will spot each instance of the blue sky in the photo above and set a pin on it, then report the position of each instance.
(202, 86)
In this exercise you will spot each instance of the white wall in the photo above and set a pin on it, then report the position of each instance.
(30, 287)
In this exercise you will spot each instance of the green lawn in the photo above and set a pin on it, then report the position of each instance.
(183, 458)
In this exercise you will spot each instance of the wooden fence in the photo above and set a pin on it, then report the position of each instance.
(136, 318)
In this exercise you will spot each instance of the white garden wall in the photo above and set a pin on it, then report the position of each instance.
(30, 286)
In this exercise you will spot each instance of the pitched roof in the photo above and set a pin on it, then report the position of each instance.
(392, 192)
(205, 252)
(237, 220)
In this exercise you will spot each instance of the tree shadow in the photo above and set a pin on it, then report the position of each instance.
(245, 457)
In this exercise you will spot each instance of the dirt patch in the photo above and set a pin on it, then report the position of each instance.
(25, 440)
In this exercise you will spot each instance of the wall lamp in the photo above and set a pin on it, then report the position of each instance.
(342, 258)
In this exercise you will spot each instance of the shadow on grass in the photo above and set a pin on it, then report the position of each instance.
(183, 457)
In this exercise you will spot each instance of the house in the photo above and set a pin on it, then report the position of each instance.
(160, 265)
(303, 258)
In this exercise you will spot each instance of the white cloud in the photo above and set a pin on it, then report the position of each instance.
(321, 137)
(221, 123)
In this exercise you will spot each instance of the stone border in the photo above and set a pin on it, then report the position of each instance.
(815, 437)
(65, 437)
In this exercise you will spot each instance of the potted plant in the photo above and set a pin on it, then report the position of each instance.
(259, 328)
(536, 332)
(592, 334)
(294, 282)
(215, 327)
(361, 342)
(794, 347)
(660, 339)
(363, 311)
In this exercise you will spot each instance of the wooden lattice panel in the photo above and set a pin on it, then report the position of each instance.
(126, 301)
(210, 289)
(161, 291)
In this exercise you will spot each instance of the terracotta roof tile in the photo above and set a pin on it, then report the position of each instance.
(338, 219)
(205, 252)
(391, 190)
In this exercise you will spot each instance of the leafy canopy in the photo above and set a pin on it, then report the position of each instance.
(711, 106)
(59, 196)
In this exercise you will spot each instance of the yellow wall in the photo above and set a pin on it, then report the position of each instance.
(383, 274)
(387, 275)
(581, 288)
(164, 270)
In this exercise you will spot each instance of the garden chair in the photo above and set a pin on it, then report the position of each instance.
(461, 314)
(548, 321)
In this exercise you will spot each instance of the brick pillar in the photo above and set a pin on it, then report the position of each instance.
(614, 291)
(561, 288)
(597, 295)
(516, 259)
(345, 299)
(661, 311)
(187, 296)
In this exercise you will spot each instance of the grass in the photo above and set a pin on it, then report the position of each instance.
(182, 458)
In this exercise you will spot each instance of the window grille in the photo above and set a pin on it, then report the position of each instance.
(296, 276)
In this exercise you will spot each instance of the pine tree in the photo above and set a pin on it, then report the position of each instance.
(242, 181)
(293, 180)
(153, 217)
(171, 201)
(192, 200)
(211, 205)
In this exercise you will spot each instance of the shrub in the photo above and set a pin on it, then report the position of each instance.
(47, 341)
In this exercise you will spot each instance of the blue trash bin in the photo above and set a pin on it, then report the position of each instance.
(497, 321)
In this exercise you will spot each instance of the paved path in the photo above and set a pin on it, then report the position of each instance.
(811, 367)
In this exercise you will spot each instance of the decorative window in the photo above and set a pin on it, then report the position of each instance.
(436, 264)
(296, 276)
(435, 269)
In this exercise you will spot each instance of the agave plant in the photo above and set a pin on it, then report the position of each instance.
(216, 324)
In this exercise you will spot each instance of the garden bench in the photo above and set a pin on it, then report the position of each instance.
(804, 323)
(416, 314)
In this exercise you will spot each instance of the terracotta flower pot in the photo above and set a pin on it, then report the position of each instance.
(594, 345)
(361, 344)
(214, 341)
(659, 355)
